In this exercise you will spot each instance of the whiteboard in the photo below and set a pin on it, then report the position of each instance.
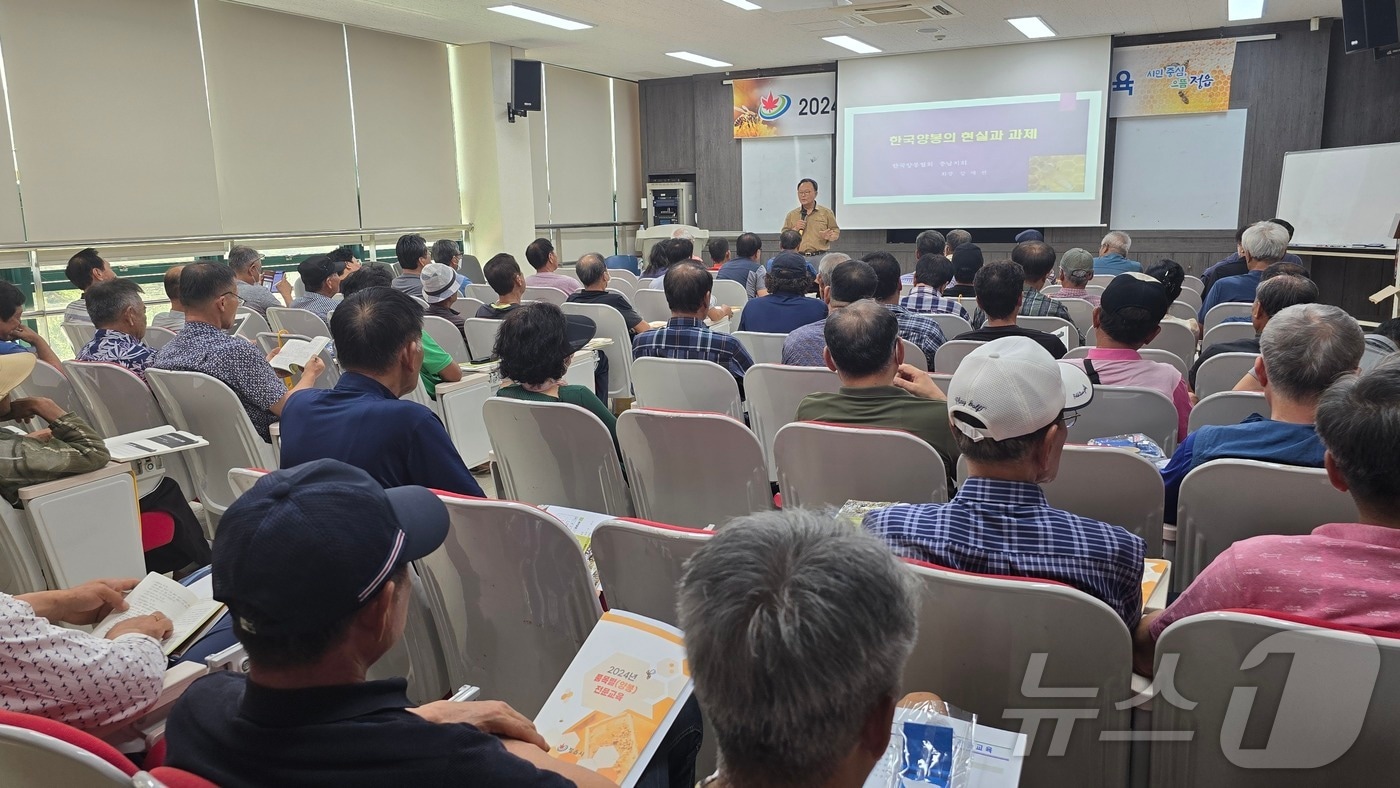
(771, 168)
(1341, 196)
(1178, 172)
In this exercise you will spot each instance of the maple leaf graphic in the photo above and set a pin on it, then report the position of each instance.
(768, 102)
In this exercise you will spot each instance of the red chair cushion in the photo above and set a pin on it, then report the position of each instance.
(157, 529)
(70, 735)
(179, 778)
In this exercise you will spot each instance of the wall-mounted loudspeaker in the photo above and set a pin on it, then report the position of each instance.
(1370, 24)
(526, 88)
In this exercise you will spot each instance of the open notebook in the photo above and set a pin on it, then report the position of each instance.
(188, 609)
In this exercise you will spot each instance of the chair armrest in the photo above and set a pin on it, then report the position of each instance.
(69, 482)
(469, 380)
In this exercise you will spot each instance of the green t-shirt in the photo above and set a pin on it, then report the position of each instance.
(889, 407)
(435, 360)
(581, 396)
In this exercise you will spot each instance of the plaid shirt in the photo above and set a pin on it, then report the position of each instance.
(689, 338)
(317, 304)
(1034, 304)
(923, 298)
(922, 331)
(1007, 528)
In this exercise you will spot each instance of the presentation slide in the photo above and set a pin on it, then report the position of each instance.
(994, 149)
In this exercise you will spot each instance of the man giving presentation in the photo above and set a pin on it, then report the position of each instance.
(816, 223)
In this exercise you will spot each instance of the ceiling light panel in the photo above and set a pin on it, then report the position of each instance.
(531, 15)
(701, 59)
(1032, 27)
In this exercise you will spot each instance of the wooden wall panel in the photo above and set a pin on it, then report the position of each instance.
(718, 184)
(1363, 97)
(668, 135)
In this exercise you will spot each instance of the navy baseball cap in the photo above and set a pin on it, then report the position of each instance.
(1029, 235)
(790, 261)
(310, 545)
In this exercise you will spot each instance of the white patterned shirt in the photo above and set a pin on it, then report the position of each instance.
(70, 676)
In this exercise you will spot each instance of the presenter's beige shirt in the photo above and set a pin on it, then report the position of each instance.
(819, 220)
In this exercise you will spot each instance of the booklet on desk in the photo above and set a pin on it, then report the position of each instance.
(151, 443)
(298, 353)
(618, 698)
(187, 610)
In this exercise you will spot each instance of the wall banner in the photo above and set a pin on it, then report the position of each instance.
(785, 106)
(1171, 79)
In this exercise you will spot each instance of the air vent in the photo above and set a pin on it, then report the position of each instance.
(903, 13)
(944, 10)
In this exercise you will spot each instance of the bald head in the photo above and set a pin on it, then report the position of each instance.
(688, 289)
(592, 269)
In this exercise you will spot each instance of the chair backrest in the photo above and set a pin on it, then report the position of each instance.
(1239, 666)
(774, 393)
(1050, 325)
(20, 569)
(468, 307)
(1224, 501)
(669, 485)
(1228, 407)
(78, 334)
(686, 384)
(38, 751)
(1182, 311)
(1194, 284)
(651, 304)
(448, 337)
(623, 287)
(1226, 332)
(552, 295)
(1102, 280)
(640, 564)
(1081, 313)
(418, 655)
(157, 337)
(512, 597)
(1122, 410)
(48, 381)
(481, 336)
(610, 325)
(198, 403)
(951, 353)
(1191, 298)
(876, 465)
(1218, 313)
(252, 325)
(727, 292)
(951, 325)
(555, 453)
(1150, 354)
(1049, 290)
(1134, 500)
(1026, 650)
(644, 282)
(1222, 371)
(297, 321)
(483, 293)
(625, 263)
(914, 355)
(765, 348)
(1176, 338)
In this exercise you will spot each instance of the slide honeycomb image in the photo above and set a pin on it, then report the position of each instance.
(1056, 174)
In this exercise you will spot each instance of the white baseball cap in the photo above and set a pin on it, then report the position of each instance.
(1012, 387)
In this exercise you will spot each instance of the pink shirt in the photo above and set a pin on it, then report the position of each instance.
(1123, 367)
(1343, 573)
(558, 281)
(1076, 292)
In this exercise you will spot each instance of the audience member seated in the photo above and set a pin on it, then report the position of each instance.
(921, 330)
(1008, 403)
(13, 331)
(211, 304)
(246, 264)
(851, 281)
(1076, 272)
(1342, 572)
(412, 253)
(658, 258)
(1173, 277)
(1128, 317)
(877, 388)
(363, 421)
(440, 290)
(1029, 235)
(541, 257)
(447, 252)
(786, 306)
(1303, 350)
(535, 345)
(593, 272)
(438, 365)
(681, 249)
(503, 274)
(797, 629)
(117, 310)
(718, 250)
(173, 320)
(826, 265)
(999, 291)
(69, 675)
(1275, 294)
(747, 248)
(67, 446)
(1264, 244)
(305, 714)
(686, 336)
(1234, 265)
(955, 239)
(320, 276)
(967, 261)
(1113, 255)
(345, 257)
(931, 274)
(1037, 260)
(85, 269)
(928, 243)
(1381, 341)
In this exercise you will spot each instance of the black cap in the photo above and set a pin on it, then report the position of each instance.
(1135, 290)
(967, 261)
(579, 331)
(315, 270)
(790, 261)
(311, 544)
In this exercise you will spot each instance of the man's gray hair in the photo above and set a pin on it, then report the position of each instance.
(106, 301)
(956, 238)
(1280, 292)
(1118, 241)
(796, 626)
(1265, 241)
(590, 268)
(828, 264)
(241, 258)
(1306, 347)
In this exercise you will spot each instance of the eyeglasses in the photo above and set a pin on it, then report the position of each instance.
(1069, 419)
(234, 293)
